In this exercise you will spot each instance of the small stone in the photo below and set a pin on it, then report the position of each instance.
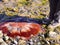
(15, 42)
(52, 34)
(31, 43)
(4, 43)
(31, 40)
(1, 34)
(7, 37)
(1, 40)
(22, 42)
(38, 43)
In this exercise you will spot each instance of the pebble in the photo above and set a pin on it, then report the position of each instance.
(7, 37)
(1, 40)
(1, 34)
(38, 43)
(4, 43)
(52, 34)
(31, 43)
(15, 42)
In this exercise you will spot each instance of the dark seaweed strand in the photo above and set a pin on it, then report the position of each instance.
(4, 18)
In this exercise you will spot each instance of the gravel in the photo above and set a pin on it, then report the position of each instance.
(33, 9)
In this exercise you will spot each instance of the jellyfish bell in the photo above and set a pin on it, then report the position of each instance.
(22, 29)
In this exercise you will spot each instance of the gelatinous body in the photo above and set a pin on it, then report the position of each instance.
(21, 29)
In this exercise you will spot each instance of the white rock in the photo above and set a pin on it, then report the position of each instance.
(1, 34)
(52, 34)
(54, 25)
(31, 40)
(1, 40)
(39, 43)
(7, 37)
(15, 42)
(4, 43)
(31, 43)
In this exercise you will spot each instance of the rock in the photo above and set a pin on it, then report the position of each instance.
(7, 37)
(53, 34)
(15, 42)
(1, 34)
(1, 40)
(4, 43)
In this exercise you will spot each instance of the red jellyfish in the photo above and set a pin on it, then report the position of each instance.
(22, 29)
